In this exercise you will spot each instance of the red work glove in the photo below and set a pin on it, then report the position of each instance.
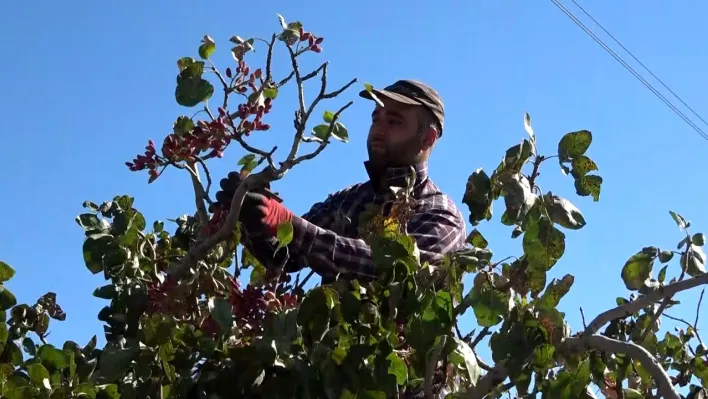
(261, 212)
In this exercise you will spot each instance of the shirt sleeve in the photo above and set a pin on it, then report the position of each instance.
(292, 257)
(436, 229)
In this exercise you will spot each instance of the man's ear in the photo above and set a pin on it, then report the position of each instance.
(429, 138)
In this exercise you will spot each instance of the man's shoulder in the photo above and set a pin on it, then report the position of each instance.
(433, 198)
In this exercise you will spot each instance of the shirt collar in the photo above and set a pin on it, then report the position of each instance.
(396, 176)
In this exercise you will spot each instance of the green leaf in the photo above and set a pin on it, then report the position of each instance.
(206, 49)
(574, 144)
(662, 274)
(106, 292)
(698, 239)
(464, 357)
(665, 256)
(7, 298)
(321, 132)
(398, 368)
(680, 221)
(328, 116)
(270, 92)
(555, 291)
(693, 261)
(94, 248)
(114, 362)
(630, 393)
(158, 226)
(111, 391)
(589, 185)
(182, 125)
(258, 275)
(191, 88)
(285, 233)
(246, 159)
(478, 197)
(220, 309)
(52, 358)
(582, 165)
(6, 272)
(92, 206)
(340, 132)
(39, 375)
(516, 157)
(637, 270)
(543, 245)
(564, 212)
(488, 303)
(29, 346)
(477, 239)
(88, 221)
(518, 197)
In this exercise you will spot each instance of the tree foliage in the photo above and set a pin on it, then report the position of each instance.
(178, 323)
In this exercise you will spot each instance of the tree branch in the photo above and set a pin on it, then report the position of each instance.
(487, 383)
(431, 367)
(480, 337)
(634, 351)
(270, 173)
(644, 300)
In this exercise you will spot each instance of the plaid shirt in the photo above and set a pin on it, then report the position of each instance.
(330, 247)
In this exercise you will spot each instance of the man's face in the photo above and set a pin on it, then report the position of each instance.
(393, 136)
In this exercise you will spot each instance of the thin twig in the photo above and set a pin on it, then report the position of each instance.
(227, 90)
(304, 281)
(199, 194)
(698, 309)
(208, 176)
(485, 331)
(582, 315)
(269, 58)
(324, 143)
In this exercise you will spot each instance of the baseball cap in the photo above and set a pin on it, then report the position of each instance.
(413, 92)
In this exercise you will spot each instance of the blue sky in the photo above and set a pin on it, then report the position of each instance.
(88, 83)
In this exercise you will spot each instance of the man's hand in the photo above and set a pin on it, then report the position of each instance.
(261, 211)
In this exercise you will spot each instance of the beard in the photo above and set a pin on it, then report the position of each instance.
(384, 154)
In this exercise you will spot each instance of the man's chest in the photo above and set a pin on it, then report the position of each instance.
(353, 213)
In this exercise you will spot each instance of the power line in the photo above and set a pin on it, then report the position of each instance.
(629, 68)
(639, 62)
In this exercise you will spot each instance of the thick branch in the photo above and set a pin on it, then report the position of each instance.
(634, 351)
(629, 308)
(487, 383)
(431, 366)
(199, 251)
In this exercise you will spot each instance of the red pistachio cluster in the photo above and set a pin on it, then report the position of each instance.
(159, 296)
(214, 224)
(313, 41)
(210, 138)
(149, 160)
(206, 136)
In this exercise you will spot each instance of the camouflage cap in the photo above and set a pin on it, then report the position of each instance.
(413, 92)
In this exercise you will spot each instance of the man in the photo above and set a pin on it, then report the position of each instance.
(402, 134)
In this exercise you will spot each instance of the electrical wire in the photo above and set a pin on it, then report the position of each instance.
(638, 61)
(619, 59)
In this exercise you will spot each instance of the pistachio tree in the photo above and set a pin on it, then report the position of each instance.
(180, 322)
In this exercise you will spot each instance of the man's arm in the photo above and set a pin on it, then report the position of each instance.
(321, 214)
(437, 230)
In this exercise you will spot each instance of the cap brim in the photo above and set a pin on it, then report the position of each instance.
(390, 95)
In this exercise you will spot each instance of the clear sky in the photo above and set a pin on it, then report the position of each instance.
(86, 84)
